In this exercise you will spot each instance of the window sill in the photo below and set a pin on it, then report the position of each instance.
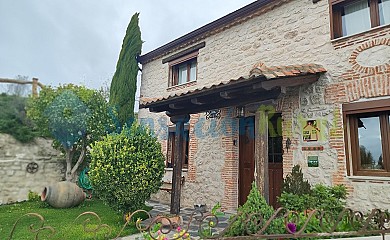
(369, 178)
(181, 86)
(346, 38)
(171, 170)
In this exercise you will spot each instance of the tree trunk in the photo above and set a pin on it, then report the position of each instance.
(71, 171)
(68, 158)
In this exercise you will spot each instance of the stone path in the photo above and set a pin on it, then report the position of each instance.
(186, 214)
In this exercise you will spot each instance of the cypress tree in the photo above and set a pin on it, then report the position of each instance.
(124, 83)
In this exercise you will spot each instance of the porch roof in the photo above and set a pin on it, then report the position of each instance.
(263, 83)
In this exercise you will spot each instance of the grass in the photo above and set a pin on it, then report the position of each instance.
(62, 220)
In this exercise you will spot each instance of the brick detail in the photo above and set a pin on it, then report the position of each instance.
(193, 148)
(289, 103)
(230, 169)
(367, 45)
(182, 86)
(356, 83)
(313, 148)
(361, 38)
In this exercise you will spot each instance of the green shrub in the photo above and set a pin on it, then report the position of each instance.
(298, 196)
(13, 119)
(295, 183)
(254, 208)
(33, 197)
(126, 168)
(327, 198)
(295, 202)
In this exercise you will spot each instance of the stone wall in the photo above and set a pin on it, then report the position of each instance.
(16, 181)
(295, 32)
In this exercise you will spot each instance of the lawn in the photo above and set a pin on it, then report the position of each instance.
(62, 220)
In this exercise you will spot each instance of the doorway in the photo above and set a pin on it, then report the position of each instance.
(246, 158)
(275, 158)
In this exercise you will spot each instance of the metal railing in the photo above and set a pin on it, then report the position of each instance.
(295, 225)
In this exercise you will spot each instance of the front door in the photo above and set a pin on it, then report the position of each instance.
(275, 158)
(246, 157)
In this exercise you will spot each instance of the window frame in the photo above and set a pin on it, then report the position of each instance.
(335, 8)
(351, 112)
(175, 65)
(171, 146)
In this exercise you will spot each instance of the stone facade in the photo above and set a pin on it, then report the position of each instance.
(287, 33)
(16, 181)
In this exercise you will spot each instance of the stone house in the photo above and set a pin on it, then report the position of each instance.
(274, 84)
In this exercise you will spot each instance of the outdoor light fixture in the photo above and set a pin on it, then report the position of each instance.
(240, 111)
(288, 144)
(215, 113)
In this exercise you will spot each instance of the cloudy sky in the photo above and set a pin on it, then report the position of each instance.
(78, 41)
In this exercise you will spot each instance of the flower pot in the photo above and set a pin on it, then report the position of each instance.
(200, 208)
(63, 195)
(167, 220)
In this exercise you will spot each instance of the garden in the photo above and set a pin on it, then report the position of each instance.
(126, 166)
(64, 222)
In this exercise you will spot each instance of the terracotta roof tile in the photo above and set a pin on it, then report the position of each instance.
(259, 70)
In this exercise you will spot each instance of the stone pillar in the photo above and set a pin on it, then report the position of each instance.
(178, 161)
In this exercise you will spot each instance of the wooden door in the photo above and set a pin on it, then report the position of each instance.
(275, 159)
(246, 158)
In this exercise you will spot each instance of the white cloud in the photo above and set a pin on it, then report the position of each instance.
(79, 41)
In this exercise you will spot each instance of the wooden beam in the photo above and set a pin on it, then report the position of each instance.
(8, 80)
(237, 84)
(225, 95)
(286, 82)
(175, 106)
(219, 102)
(178, 162)
(196, 101)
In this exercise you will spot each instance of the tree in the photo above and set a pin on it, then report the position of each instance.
(124, 82)
(366, 157)
(13, 120)
(126, 168)
(75, 117)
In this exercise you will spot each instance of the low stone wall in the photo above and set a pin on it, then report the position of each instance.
(17, 177)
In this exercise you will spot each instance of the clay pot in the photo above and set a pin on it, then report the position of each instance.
(63, 195)
(174, 220)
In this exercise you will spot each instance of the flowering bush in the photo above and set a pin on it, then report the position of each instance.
(156, 233)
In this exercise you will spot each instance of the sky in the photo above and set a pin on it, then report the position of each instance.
(78, 41)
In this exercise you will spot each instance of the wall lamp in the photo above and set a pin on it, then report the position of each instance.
(240, 111)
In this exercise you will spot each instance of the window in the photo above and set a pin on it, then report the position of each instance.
(183, 70)
(171, 147)
(350, 17)
(384, 12)
(368, 137)
(275, 139)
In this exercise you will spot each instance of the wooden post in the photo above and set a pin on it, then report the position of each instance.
(178, 161)
(35, 87)
(261, 153)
